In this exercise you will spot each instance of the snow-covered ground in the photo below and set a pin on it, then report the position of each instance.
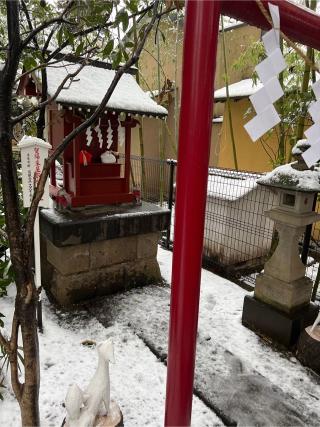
(137, 378)
(238, 375)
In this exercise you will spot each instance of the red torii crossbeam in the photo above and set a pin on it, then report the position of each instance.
(200, 46)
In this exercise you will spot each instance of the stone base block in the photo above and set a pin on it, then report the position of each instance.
(286, 296)
(280, 326)
(76, 273)
(75, 288)
(100, 250)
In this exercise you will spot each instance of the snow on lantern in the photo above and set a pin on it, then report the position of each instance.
(93, 171)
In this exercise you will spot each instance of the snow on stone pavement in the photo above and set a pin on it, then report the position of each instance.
(137, 377)
(237, 373)
(220, 314)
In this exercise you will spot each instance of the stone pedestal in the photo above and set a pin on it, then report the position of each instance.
(99, 251)
(268, 321)
(283, 283)
(281, 307)
(113, 419)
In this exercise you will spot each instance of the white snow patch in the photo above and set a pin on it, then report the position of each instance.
(241, 89)
(138, 378)
(91, 84)
(287, 176)
(230, 185)
(221, 303)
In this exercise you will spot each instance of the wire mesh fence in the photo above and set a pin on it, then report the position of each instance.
(237, 236)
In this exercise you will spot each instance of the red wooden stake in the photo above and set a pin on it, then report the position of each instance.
(200, 46)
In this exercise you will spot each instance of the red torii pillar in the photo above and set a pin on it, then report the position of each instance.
(200, 45)
(199, 61)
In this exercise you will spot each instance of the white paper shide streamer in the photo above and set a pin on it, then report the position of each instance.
(89, 136)
(109, 135)
(312, 155)
(99, 134)
(121, 134)
(268, 70)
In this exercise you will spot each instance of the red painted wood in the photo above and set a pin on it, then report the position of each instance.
(100, 170)
(113, 185)
(53, 180)
(68, 173)
(102, 199)
(127, 156)
(96, 182)
(297, 22)
(200, 45)
(77, 147)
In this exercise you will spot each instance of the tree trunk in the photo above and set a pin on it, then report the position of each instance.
(29, 403)
(41, 122)
(26, 299)
(27, 394)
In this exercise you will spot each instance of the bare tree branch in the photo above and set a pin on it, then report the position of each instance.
(33, 33)
(33, 110)
(97, 113)
(26, 12)
(90, 30)
(40, 66)
(66, 42)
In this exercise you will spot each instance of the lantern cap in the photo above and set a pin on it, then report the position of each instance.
(286, 177)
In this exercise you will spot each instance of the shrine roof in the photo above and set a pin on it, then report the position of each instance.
(242, 89)
(90, 85)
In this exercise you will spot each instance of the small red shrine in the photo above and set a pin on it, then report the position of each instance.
(94, 173)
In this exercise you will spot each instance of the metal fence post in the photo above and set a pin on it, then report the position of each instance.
(307, 236)
(171, 164)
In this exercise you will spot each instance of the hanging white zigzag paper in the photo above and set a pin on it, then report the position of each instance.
(121, 134)
(312, 155)
(89, 136)
(99, 134)
(268, 70)
(109, 135)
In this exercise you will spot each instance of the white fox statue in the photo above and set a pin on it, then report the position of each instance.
(83, 407)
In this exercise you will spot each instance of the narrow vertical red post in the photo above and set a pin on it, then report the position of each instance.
(128, 125)
(199, 60)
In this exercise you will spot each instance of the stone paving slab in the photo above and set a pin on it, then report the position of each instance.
(230, 386)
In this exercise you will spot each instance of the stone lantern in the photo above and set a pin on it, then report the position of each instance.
(281, 306)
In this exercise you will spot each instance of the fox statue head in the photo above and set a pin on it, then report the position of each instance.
(105, 350)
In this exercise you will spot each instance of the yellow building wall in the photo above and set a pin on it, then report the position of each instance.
(251, 156)
(237, 40)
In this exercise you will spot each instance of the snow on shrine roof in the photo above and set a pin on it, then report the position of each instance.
(90, 85)
(238, 90)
